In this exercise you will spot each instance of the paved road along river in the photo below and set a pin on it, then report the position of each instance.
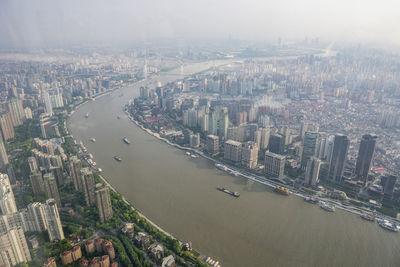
(260, 228)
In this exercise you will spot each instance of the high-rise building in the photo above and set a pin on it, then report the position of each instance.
(7, 126)
(276, 144)
(389, 182)
(7, 200)
(274, 164)
(233, 151)
(13, 248)
(3, 154)
(223, 123)
(339, 157)
(309, 146)
(365, 156)
(103, 203)
(35, 217)
(50, 188)
(88, 186)
(312, 171)
(33, 165)
(265, 136)
(212, 144)
(75, 166)
(249, 155)
(53, 222)
(47, 103)
(37, 182)
(195, 140)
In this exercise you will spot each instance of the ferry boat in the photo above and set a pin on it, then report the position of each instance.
(327, 207)
(282, 190)
(87, 115)
(311, 200)
(367, 217)
(118, 158)
(221, 167)
(126, 140)
(385, 224)
(234, 194)
(92, 139)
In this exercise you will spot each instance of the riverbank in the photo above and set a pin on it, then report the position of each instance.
(256, 178)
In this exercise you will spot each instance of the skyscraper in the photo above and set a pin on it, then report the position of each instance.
(53, 222)
(309, 146)
(274, 164)
(13, 247)
(88, 186)
(103, 203)
(75, 166)
(265, 134)
(37, 182)
(312, 171)
(365, 155)
(50, 188)
(7, 200)
(276, 144)
(3, 154)
(339, 156)
(47, 103)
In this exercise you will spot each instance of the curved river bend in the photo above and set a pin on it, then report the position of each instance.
(260, 228)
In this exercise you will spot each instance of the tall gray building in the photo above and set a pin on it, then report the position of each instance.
(312, 171)
(37, 182)
(88, 186)
(103, 203)
(274, 164)
(309, 147)
(50, 188)
(75, 166)
(53, 222)
(365, 156)
(339, 157)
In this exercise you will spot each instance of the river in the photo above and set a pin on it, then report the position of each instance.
(260, 228)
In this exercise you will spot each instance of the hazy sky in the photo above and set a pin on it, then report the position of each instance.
(54, 22)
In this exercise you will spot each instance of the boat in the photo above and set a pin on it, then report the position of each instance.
(188, 153)
(87, 115)
(99, 170)
(327, 207)
(234, 194)
(126, 140)
(92, 139)
(282, 190)
(118, 158)
(234, 173)
(391, 226)
(193, 156)
(311, 200)
(367, 217)
(221, 167)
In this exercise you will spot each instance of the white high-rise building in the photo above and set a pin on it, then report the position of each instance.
(54, 227)
(13, 248)
(265, 134)
(7, 200)
(47, 103)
